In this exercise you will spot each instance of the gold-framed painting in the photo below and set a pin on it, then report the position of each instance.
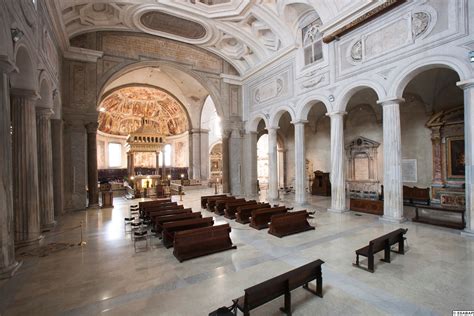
(456, 158)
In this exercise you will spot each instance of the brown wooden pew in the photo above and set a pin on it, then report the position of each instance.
(289, 223)
(244, 212)
(160, 220)
(152, 202)
(381, 243)
(169, 212)
(211, 202)
(221, 205)
(205, 197)
(231, 208)
(201, 241)
(283, 284)
(145, 209)
(261, 217)
(163, 208)
(170, 228)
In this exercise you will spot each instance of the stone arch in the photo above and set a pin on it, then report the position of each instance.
(6, 49)
(357, 86)
(305, 105)
(26, 77)
(252, 125)
(276, 115)
(45, 92)
(404, 76)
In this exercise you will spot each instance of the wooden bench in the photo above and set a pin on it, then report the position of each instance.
(201, 241)
(211, 202)
(381, 243)
(261, 217)
(160, 220)
(153, 202)
(231, 208)
(439, 222)
(205, 197)
(283, 284)
(416, 195)
(169, 212)
(244, 212)
(221, 205)
(160, 209)
(170, 228)
(289, 223)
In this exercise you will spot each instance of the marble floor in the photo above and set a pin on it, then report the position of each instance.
(106, 276)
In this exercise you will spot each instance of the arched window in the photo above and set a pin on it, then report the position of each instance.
(168, 155)
(312, 42)
(115, 155)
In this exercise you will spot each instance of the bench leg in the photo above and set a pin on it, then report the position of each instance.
(287, 308)
(357, 259)
(401, 246)
(371, 263)
(386, 256)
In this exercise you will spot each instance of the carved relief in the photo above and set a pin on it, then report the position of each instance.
(377, 44)
(269, 91)
(313, 82)
(419, 23)
(164, 22)
(356, 51)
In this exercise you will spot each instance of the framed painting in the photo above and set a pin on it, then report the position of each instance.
(456, 163)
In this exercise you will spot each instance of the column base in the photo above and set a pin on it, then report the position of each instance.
(467, 233)
(392, 220)
(29, 242)
(335, 210)
(93, 206)
(9, 271)
(48, 226)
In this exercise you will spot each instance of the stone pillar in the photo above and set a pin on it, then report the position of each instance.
(204, 151)
(300, 163)
(195, 154)
(58, 173)
(250, 164)
(45, 167)
(92, 176)
(338, 178)
(130, 164)
(468, 87)
(225, 161)
(25, 167)
(392, 156)
(437, 156)
(8, 264)
(272, 164)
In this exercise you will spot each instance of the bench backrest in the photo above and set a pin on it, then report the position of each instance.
(182, 216)
(188, 236)
(268, 211)
(170, 212)
(172, 226)
(281, 219)
(252, 207)
(379, 243)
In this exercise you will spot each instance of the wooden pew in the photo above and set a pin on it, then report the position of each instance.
(283, 284)
(416, 195)
(170, 228)
(160, 220)
(157, 206)
(205, 197)
(244, 212)
(221, 204)
(169, 212)
(381, 243)
(231, 208)
(436, 221)
(211, 202)
(201, 241)
(164, 208)
(290, 223)
(261, 217)
(153, 202)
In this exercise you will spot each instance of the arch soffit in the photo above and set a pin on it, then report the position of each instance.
(6, 49)
(355, 87)
(305, 105)
(277, 114)
(253, 123)
(403, 76)
(214, 144)
(26, 69)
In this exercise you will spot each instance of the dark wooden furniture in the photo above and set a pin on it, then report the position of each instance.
(416, 195)
(160, 220)
(170, 212)
(439, 222)
(289, 223)
(244, 212)
(366, 206)
(170, 228)
(283, 284)
(211, 202)
(321, 184)
(141, 205)
(231, 208)
(147, 212)
(201, 241)
(205, 197)
(261, 217)
(381, 243)
(220, 204)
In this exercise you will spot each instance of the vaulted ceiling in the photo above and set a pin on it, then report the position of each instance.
(246, 33)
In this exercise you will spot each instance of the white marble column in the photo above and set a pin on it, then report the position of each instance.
(8, 264)
(58, 172)
(300, 163)
(468, 87)
(204, 151)
(338, 179)
(250, 164)
(225, 161)
(392, 161)
(272, 164)
(25, 167)
(45, 167)
(92, 173)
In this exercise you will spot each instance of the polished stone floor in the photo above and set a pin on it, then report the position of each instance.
(106, 276)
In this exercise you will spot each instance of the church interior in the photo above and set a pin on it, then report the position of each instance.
(236, 157)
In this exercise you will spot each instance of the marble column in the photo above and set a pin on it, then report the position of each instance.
(8, 264)
(131, 163)
(58, 173)
(338, 178)
(204, 151)
(272, 164)
(468, 87)
(92, 175)
(250, 164)
(45, 167)
(225, 161)
(300, 163)
(437, 156)
(25, 167)
(392, 161)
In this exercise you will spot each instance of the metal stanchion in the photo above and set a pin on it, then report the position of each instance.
(82, 242)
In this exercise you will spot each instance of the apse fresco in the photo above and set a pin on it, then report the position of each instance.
(122, 111)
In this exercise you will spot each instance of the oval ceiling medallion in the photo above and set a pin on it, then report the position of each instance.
(163, 22)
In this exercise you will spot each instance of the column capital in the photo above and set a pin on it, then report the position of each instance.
(92, 127)
(252, 133)
(272, 128)
(390, 101)
(7, 65)
(44, 113)
(299, 122)
(226, 133)
(25, 93)
(199, 131)
(466, 84)
(336, 113)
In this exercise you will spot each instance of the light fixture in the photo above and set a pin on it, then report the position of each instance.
(182, 176)
(471, 56)
(331, 98)
(17, 34)
(169, 176)
(132, 178)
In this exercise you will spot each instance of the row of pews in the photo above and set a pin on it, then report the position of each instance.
(258, 215)
(189, 233)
